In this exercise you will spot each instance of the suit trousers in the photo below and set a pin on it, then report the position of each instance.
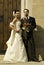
(30, 48)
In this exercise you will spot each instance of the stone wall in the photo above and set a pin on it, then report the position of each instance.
(38, 13)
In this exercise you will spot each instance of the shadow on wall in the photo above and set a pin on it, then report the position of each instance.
(39, 42)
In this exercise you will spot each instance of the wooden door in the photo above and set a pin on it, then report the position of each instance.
(6, 8)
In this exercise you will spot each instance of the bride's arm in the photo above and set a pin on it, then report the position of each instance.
(11, 25)
(14, 20)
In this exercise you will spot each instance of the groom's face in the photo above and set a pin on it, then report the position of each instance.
(26, 12)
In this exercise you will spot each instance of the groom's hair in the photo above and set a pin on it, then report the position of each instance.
(26, 10)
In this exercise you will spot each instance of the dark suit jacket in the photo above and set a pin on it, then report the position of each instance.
(30, 28)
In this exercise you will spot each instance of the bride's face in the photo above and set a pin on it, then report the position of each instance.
(17, 14)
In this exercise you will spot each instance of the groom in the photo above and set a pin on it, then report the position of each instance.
(28, 24)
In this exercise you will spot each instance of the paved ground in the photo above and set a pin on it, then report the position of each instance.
(20, 63)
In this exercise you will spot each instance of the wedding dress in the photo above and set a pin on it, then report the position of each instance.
(16, 49)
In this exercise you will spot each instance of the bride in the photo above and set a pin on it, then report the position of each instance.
(15, 46)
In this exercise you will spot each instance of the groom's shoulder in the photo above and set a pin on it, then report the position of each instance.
(32, 17)
(22, 19)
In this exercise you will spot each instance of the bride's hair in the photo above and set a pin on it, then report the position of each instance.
(16, 11)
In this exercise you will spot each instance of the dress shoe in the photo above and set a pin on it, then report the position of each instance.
(34, 59)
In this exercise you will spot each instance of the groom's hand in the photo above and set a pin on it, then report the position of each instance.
(27, 30)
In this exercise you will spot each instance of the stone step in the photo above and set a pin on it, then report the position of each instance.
(19, 63)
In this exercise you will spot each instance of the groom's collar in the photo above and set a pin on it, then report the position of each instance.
(27, 17)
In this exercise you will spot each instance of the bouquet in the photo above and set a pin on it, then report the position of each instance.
(26, 26)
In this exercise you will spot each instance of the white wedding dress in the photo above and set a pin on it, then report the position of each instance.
(16, 49)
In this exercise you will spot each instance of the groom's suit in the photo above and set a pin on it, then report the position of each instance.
(28, 37)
